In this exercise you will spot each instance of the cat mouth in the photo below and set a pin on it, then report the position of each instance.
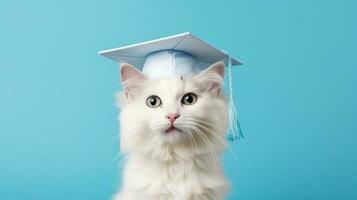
(172, 128)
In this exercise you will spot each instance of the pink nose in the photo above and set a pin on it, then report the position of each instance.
(172, 117)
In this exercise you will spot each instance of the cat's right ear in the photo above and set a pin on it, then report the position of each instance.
(131, 79)
(212, 78)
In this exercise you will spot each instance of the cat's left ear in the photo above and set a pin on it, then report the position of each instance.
(212, 78)
(131, 79)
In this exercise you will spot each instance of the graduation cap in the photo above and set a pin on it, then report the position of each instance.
(183, 54)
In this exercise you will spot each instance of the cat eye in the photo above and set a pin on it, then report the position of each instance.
(189, 99)
(153, 101)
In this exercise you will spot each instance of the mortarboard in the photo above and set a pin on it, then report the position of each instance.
(183, 54)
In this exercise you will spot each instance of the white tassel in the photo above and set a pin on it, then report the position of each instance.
(234, 132)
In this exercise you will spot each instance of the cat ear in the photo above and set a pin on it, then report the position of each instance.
(128, 71)
(212, 77)
(131, 79)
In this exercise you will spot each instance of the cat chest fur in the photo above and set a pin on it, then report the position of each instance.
(174, 180)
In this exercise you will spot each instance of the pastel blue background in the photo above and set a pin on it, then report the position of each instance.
(296, 93)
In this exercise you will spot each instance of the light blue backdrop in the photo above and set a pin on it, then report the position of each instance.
(296, 93)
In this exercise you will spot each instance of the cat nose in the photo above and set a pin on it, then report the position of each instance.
(172, 117)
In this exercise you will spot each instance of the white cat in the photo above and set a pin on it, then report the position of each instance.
(172, 130)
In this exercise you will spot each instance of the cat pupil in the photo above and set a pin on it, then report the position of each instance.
(153, 101)
(189, 99)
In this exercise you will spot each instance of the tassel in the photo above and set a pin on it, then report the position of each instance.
(234, 132)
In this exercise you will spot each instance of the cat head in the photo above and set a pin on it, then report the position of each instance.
(187, 112)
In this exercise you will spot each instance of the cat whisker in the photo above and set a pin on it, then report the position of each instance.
(208, 143)
(201, 121)
(107, 152)
(214, 134)
(193, 148)
(146, 133)
(115, 159)
(222, 142)
(189, 130)
(119, 155)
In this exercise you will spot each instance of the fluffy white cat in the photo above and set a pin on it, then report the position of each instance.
(172, 130)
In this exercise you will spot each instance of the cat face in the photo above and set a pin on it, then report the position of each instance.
(172, 111)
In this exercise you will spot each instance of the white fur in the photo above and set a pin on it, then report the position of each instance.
(179, 165)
